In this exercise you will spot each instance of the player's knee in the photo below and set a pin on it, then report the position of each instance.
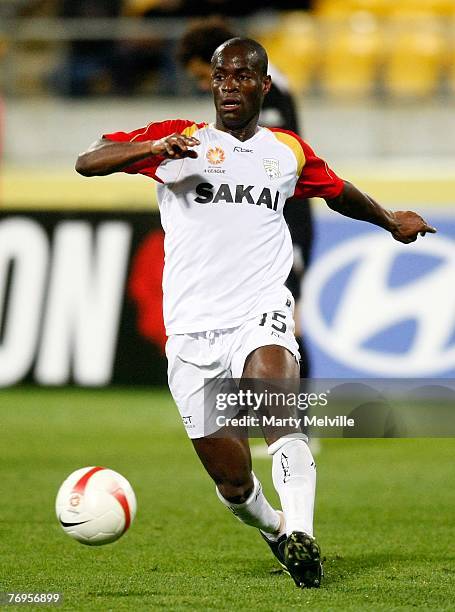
(236, 491)
(271, 362)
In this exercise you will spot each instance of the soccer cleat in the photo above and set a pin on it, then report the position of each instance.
(302, 557)
(277, 548)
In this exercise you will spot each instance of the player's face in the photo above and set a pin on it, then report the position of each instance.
(201, 73)
(238, 87)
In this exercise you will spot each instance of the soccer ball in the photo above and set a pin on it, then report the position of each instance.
(95, 505)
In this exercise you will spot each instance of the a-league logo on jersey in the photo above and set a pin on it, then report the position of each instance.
(272, 168)
(216, 155)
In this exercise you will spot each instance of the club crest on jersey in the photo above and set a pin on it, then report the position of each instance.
(272, 168)
(215, 155)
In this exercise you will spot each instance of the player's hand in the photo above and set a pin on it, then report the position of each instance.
(407, 225)
(175, 146)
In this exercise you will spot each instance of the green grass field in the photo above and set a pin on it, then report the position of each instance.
(384, 516)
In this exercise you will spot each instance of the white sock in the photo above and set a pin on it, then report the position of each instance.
(274, 537)
(255, 511)
(294, 478)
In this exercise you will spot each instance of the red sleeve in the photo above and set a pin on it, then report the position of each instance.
(317, 180)
(153, 131)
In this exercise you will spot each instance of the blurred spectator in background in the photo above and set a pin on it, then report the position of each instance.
(138, 60)
(89, 65)
(113, 66)
(105, 64)
(207, 8)
(278, 110)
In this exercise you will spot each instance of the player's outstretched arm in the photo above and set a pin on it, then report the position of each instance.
(106, 157)
(404, 226)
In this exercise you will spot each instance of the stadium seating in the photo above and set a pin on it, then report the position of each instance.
(383, 8)
(367, 46)
(33, 65)
(451, 59)
(342, 48)
(340, 7)
(350, 55)
(415, 55)
(293, 47)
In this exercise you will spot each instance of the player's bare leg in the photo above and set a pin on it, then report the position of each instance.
(228, 462)
(293, 471)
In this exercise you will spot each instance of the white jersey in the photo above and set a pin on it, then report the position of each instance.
(228, 250)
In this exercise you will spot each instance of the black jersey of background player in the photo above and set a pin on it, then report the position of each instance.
(278, 110)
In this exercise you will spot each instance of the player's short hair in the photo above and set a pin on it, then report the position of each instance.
(253, 48)
(201, 40)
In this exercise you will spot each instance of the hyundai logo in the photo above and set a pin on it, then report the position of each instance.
(385, 308)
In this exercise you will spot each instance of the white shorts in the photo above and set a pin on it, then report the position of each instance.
(194, 358)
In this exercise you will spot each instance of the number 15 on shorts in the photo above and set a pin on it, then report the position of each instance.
(276, 320)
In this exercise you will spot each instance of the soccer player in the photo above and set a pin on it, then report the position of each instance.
(278, 110)
(221, 189)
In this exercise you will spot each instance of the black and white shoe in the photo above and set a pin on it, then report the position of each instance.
(302, 558)
(277, 548)
(277, 545)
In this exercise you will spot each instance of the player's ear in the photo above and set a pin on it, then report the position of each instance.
(266, 84)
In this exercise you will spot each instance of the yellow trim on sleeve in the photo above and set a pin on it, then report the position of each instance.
(189, 131)
(295, 147)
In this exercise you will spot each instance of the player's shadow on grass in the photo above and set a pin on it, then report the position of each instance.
(338, 568)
